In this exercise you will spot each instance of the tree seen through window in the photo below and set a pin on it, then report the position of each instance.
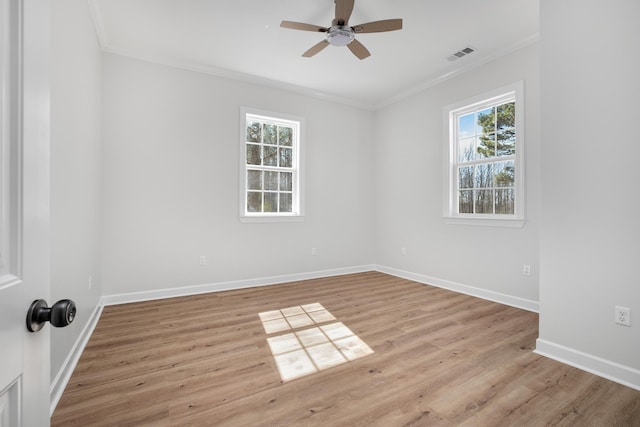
(486, 145)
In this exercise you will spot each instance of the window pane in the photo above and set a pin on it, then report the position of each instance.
(484, 201)
(506, 116)
(286, 136)
(270, 134)
(254, 201)
(486, 121)
(487, 146)
(254, 180)
(253, 154)
(466, 149)
(506, 144)
(504, 174)
(270, 202)
(270, 174)
(286, 157)
(286, 181)
(270, 156)
(483, 176)
(483, 142)
(285, 202)
(254, 132)
(270, 180)
(505, 201)
(465, 126)
(465, 201)
(465, 177)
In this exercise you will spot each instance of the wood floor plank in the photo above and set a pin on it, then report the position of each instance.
(440, 359)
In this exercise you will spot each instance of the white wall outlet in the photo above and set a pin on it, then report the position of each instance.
(403, 251)
(623, 315)
(203, 260)
(526, 270)
(90, 282)
(314, 251)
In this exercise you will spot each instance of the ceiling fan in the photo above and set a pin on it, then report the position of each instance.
(341, 34)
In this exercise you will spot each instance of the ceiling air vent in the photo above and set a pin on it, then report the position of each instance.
(459, 54)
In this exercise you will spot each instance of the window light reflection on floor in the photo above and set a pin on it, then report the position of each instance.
(303, 352)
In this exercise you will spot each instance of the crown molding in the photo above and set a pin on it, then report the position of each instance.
(96, 17)
(238, 76)
(436, 80)
(429, 82)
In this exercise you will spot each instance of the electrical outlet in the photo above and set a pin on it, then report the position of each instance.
(526, 270)
(90, 282)
(203, 260)
(623, 315)
(314, 251)
(403, 251)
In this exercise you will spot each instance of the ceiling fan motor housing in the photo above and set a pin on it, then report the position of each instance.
(340, 35)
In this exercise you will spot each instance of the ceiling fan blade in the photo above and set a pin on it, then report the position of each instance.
(343, 12)
(379, 26)
(303, 26)
(315, 49)
(358, 49)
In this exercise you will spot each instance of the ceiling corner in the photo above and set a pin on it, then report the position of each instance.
(96, 17)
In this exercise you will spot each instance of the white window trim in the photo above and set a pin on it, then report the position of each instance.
(298, 214)
(450, 190)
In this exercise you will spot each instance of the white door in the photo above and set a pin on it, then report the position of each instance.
(24, 210)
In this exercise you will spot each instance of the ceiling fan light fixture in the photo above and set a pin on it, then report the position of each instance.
(340, 35)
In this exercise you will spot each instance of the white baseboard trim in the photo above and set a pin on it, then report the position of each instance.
(624, 375)
(228, 286)
(615, 372)
(64, 374)
(517, 302)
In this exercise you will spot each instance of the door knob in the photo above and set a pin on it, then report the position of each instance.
(59, 314)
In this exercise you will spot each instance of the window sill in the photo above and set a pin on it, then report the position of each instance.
(266, 218)
(485, 222)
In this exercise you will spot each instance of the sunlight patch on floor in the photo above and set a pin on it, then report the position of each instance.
(310, 350)
(294, 317)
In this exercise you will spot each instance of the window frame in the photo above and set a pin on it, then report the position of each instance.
(515, 92)
(297, 213)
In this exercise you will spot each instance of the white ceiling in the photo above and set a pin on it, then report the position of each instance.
(242, 39)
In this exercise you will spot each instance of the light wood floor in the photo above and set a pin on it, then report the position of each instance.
(441, 359)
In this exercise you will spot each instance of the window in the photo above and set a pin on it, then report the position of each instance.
(270, 180)
(484, 159)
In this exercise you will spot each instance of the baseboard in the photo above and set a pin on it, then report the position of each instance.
(125, 298)
(228, 286)
(517, 302)
(64, 374)
(615, 372)
(604, 368)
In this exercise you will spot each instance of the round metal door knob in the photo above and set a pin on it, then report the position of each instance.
(59, 314)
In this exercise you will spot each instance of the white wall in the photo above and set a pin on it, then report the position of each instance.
(590, 224)
(409, 188)
(171, 182)
(76, 83)
(374, 182)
